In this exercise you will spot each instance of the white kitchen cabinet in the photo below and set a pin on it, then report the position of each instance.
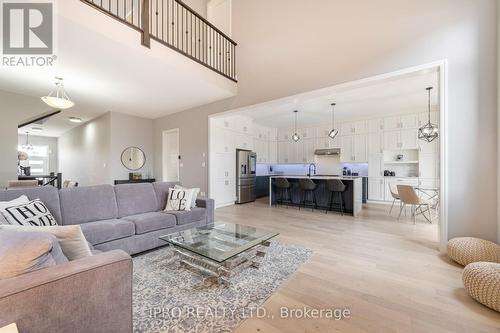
(428, 166)
(273, 152)
(323, 143)
(360, 149)
(293, 148)
(242, 124)
(244, 141)
(225, 192)
(354, 149)
(391, 123)
(375, 143)
(273, 134)
(397, 181)
(392, 139)
(409, 139)
(375, 125)
(285, 134)
(376, 165)
(428, 147)
(428, 184)
(347, 128)
(408, 121)
(308, 150)
(347, 149)
(307, 133)
(283, 152)
(360, 126)
(376, 190)
(401, 139)
(225, 166)
(261, 148)
(323, 131)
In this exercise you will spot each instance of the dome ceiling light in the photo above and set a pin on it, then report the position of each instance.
(58, 98)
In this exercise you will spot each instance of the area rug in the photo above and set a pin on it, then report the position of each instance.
(169, 298)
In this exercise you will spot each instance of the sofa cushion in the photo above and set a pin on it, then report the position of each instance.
(107, 230)
(161, 190)
(152, 221)
(133, 199)
(49, 195)
(33, 213)
(184, 217)
(24, 252)
(87, 204)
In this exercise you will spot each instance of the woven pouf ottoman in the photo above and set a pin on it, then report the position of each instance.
(482, 282)
(466, 250)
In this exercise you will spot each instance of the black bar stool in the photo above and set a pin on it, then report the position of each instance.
(336, 187)
(283, 188)
(308, 187)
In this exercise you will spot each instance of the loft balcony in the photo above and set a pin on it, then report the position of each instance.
(175, 25)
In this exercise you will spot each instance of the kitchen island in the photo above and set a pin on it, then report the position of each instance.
(353, 196)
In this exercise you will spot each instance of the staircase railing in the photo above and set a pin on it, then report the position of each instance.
(176, 25)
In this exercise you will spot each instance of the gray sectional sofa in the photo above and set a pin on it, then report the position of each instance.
(94, 294)
(128, 217)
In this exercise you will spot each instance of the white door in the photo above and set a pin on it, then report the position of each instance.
(171, 156)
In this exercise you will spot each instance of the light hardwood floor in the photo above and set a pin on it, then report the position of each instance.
(388, 273)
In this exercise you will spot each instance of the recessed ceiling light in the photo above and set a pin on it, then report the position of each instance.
(75, 119)
(37, 129)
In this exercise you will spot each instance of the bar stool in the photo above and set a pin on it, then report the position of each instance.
(336, 187)
(283, 188)
(308, 186)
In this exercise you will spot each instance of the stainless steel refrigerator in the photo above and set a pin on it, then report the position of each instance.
(246, 168)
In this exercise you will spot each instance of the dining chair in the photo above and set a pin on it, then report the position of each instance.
(408, 196)
(395, 197)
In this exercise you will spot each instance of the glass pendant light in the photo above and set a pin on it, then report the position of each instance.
(334, 132)
(28, 146)
(295, 136)
(58, 98)
(428, 132)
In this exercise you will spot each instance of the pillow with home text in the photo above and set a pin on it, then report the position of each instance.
(33, 213)
(179, 199)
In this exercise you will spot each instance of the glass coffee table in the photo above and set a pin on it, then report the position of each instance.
(221, 250)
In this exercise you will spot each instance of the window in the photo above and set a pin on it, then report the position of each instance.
(38, 159)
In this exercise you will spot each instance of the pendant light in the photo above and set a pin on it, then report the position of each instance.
(428, 132)
(334, 132)
(58, 98)
(295, 136)
(28, 146)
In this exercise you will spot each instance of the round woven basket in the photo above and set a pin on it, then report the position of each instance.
(482, 282)
(466, 250)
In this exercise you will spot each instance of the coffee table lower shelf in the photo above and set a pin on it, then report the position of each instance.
(222, 271)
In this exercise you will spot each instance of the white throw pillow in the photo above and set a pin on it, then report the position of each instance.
(195, 191)
(179, 200)
(5, 204)
(33, 213)
(70, 237)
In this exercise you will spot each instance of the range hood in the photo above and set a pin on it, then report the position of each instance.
(332, 151)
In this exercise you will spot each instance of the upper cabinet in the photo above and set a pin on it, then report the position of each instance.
(401, 139)
(409, 121)
(375, 125)
(353, 149)
(354, 127)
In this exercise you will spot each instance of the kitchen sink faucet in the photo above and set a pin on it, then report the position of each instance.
(313, 166)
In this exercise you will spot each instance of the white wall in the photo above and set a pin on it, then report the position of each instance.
(130, 131)
(84, 152)
(339, 41)
(14, 109)
(43, 141)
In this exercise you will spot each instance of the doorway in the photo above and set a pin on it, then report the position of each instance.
(171, 155)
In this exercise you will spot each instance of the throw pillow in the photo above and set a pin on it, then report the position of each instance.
(195, 191)
(24, 252)
(70, 237)
(178, 200)
(33, 213)
(5, 204)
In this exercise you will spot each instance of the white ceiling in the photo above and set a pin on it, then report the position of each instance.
(106, 69)
(389, 96)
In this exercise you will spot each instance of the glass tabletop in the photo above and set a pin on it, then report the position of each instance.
(219, 241)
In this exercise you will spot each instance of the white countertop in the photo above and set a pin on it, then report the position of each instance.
(318, 177)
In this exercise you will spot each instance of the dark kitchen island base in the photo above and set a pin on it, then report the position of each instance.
(353, 196)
